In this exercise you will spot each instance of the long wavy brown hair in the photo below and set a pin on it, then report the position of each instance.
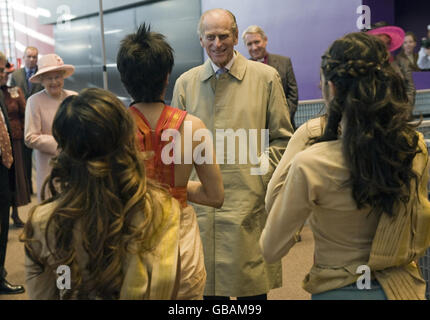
(98, 185)
(379, 143)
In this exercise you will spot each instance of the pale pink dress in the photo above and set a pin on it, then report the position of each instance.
(39, 116)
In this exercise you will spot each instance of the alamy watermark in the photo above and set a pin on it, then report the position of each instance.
(364, 281)
(241, 146)
(363, 21)
(64, 279)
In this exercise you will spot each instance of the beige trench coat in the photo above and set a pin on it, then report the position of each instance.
(250, 96)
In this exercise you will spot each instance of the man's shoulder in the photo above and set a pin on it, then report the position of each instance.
(261, 69)
(18, 72)
(192, 73)
(278, 60)
(278, 57)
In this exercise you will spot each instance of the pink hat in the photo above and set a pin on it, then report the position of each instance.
(396, 34)
(52, 62)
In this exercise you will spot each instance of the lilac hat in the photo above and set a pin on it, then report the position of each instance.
(396, 34)
(52, 62)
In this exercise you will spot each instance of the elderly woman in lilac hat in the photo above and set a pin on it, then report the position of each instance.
(40, 111)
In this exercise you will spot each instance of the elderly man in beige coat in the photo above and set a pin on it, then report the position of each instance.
(236, 98)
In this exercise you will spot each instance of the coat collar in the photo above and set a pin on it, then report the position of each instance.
(237, 70)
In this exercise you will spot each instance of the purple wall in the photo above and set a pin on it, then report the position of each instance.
(421, 79)
(382, 10)
(413, 18)
(302, 30)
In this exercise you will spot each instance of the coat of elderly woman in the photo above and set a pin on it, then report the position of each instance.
(40, 111)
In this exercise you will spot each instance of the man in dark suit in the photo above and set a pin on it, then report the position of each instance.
(21, 78)
(256, 41)
(7, 183)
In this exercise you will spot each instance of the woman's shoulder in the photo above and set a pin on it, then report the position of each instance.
(165, 201)
(311, 128)
(70, 93)
(422, 158)
(321, 155)
(38, 96)
(164, 207)
(400, 55)
(40, 217)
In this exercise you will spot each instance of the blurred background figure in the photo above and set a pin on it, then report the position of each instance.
(7, 186)
(40, 111)
(407, 55)
(15, 103)
(255, 40)
(424, 53)
(393, 38)
(116, 230)
(21, 78)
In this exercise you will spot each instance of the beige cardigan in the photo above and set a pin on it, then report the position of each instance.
(345, 238)
(173, 270)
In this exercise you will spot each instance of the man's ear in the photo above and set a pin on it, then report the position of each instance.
(236, 37)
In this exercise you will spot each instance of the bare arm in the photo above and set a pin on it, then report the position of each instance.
(209, 190)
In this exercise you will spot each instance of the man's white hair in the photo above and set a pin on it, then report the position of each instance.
(200, 27)
(254, 29)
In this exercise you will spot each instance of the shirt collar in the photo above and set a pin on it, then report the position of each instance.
(237, 70)
(227, 66)
(27, 70)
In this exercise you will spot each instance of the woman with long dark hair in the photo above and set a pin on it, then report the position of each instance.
(117, 231)
(361, 179)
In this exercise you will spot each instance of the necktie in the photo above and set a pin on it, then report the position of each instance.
(5, 147)
(29, 74)
(220, 71)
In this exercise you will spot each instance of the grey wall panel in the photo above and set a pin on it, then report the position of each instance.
(177, 20)
(79, 8)
(80, 45)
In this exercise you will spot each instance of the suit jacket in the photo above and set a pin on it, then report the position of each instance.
(19, 79)
(285, 69)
